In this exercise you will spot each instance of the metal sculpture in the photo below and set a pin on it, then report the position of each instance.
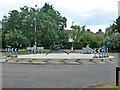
(57, 46)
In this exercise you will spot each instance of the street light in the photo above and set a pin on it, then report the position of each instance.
(72, 37)
(35, 30)
(72, 34)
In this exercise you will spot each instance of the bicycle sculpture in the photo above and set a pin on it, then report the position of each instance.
(57, 46)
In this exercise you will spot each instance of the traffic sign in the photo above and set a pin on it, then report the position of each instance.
(15, 49)
(99, 50)
(102, 49)
(95, 50)
(9, 49)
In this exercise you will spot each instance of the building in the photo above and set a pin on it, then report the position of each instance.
(100, 32)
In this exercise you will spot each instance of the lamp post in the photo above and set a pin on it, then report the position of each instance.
(35, 30)
(72, 34)
(72, 37)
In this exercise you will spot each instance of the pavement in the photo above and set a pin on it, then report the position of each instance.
(59, 59)
(56, 76)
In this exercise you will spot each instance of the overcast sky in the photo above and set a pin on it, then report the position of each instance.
(95, 14)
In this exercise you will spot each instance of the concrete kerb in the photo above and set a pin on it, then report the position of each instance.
(104, 60)
(62, 59)
(12, 60)
(71, 61)
(88, 61)
(99, 61)
(6, 59)
(54, 63)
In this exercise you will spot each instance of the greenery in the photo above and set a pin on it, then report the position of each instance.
(19, 27)
(112, 36)
(15, 37)
(24, 51)
(0, 38)
(95, 40)
(82, 37)
(77, 45)
(77, 31)
(105, 85)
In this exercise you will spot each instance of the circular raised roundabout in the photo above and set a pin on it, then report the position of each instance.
(59, 59)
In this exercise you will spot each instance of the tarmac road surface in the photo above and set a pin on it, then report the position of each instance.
(55, 76)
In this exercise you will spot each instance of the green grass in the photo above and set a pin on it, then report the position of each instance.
(24, 51)
(105, 85)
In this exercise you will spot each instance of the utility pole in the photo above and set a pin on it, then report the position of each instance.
(35, 30)
(72, 37)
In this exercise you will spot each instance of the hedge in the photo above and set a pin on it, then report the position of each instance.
(77, 45)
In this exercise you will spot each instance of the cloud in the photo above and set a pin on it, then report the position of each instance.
(82, 12)
(92, 17)
(98, 17)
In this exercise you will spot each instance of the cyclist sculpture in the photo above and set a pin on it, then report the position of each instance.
(57, 46)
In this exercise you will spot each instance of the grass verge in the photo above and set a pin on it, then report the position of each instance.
(24, 51)
(105, 85)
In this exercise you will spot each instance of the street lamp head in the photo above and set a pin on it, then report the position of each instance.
(35, 5)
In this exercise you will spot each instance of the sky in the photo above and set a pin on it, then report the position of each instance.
(95, 14)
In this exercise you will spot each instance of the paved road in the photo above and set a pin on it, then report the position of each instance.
(55, 76)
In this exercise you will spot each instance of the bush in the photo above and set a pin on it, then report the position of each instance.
(77, 45)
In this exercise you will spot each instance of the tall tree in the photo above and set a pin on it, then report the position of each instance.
(15, 38)
(77, 31)
(48, 22)
(112, 36)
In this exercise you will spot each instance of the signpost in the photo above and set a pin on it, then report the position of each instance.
(99, 51)
(29, 48)
(40, 48)
(34, 49)
(16, 50)
(9, 50)
(117, 76)
(107, 52)
(102, 50)
(95, 52)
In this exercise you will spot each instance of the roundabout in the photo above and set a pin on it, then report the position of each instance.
(59, 59)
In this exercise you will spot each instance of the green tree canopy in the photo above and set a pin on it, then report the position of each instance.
(48, 21)
(17, 37)
(77, 31)
(112, 36)
(81, 35)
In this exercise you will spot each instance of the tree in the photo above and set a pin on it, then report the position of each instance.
(15, 38)
(112, 36)
(113, 42)
(89, 37)
(109, 31)
(116, 25)
(77, 31)
(0, 38)
(48, 21)
(85, 37)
